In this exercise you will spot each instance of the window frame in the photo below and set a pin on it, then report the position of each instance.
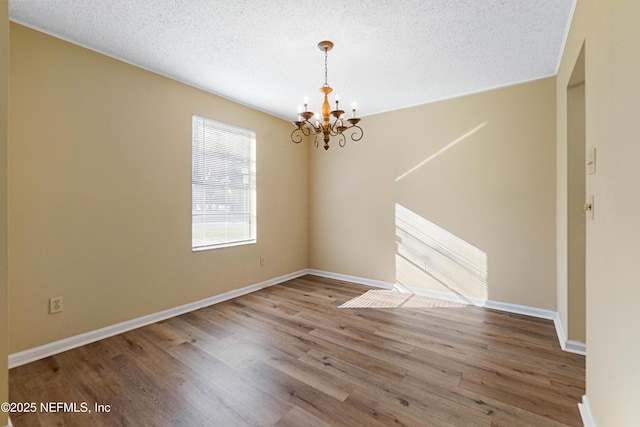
(200, 190)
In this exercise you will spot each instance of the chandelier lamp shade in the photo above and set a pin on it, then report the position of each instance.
(329, 123)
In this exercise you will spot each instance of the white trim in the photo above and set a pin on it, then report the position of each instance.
(585, 413)
(496, 305)
(576, 347)
(439, 295)
(36, 353)
(354, 279)
(568, 345)
(562, 336)
(223, 245)
(463, 94)
(9, 424)
(433, 294)
(521, 309)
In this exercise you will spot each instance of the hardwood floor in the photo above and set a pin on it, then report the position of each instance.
(288, 356)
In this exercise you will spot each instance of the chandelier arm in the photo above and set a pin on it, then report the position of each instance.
(304, 130)
(357, 133)
(308, 128)
(335, 127)
(296, 136)
(342, 141)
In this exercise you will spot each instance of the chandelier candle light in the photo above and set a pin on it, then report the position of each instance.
(323, 125)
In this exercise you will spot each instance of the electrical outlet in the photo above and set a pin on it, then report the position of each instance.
(262, 261)
(55, 305)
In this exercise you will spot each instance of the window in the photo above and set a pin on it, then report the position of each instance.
(223, 185)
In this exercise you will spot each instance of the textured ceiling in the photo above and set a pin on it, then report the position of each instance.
(388, 54)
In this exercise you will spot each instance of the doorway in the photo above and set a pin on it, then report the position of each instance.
(576, 196)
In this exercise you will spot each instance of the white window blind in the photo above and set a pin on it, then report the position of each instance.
(223, 185)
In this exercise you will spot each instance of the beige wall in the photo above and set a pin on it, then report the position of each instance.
(100, 193)
(99, 208)
(472, 177)
(4, 82)
(610, 32)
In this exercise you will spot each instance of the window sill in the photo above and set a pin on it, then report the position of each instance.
(223, 245)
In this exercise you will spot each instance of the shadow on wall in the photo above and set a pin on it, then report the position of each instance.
(432, 261)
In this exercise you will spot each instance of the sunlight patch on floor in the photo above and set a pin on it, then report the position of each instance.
(394, 299)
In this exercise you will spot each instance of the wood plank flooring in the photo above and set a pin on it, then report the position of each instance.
(288, 356)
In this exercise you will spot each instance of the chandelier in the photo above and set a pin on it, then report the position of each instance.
(329, 123)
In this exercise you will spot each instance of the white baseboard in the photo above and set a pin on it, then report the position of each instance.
(435, 294)
(36, 353)
(521, 309)
(568, 345)
(585, 413)
(496, 305)
(354, 279)
(576, 347)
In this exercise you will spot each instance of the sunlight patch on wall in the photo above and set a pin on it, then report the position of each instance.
(433, 261)
(442, 150)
